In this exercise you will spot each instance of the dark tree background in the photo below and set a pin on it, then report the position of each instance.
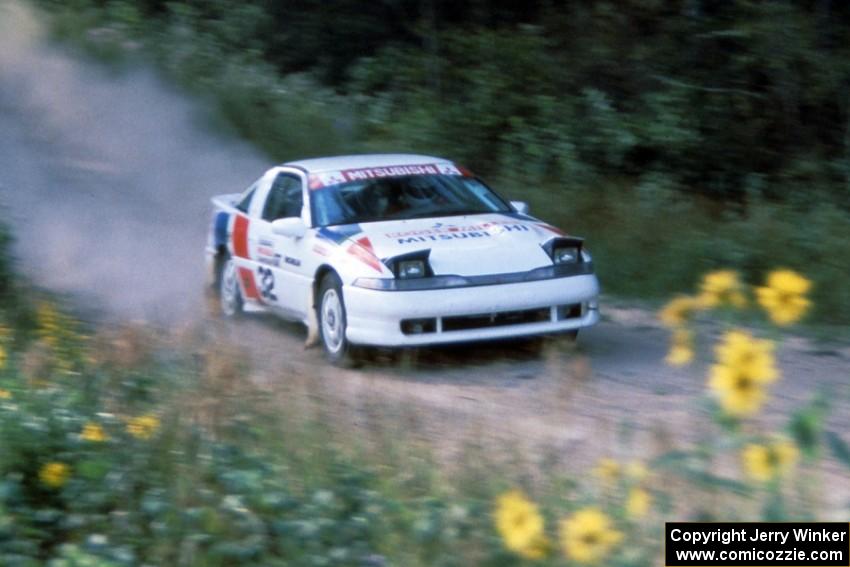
(680, 136)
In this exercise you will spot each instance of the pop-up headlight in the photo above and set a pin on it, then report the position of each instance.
(411, 269)
(564, 250)
(410, 266)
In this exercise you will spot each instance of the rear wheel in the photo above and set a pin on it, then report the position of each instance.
(229, 292)
(333, 323)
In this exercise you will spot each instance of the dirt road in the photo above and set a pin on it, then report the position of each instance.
(105, 179)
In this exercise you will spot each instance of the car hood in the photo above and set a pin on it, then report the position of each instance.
(461, 245)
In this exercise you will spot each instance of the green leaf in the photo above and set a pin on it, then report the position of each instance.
(774, 506)
(93, 469)
(839, 447)
(709, 480)
(806, 425)
(672, 459)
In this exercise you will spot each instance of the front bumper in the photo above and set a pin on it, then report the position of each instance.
(470, 313)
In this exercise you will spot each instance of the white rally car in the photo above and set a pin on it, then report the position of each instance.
(395, 250)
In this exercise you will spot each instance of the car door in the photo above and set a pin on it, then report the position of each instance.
(281, 271)
(242, 236)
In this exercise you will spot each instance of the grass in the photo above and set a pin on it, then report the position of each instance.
(203, 462)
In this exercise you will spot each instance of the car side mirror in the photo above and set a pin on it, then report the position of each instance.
(293, 227)
(520, 206)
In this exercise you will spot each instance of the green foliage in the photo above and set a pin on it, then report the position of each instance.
(7, 279)
(839, 448)
(117, 460)
(677, 139)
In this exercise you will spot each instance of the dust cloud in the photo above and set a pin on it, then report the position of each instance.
(105, 178)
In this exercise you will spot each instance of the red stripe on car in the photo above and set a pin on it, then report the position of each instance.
(248, 283)
(315, 182)
(365, 255)
(367, 244)
(240, 236)
(551, 228)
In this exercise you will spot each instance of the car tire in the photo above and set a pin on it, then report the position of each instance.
(230, 296)
(331, 317)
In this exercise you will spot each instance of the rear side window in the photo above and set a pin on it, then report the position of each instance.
(285, 198)
(246, 199)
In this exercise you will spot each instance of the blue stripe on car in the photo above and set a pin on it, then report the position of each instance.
(339, 234)
(221, 220)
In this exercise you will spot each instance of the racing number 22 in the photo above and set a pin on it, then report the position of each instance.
(266, 283)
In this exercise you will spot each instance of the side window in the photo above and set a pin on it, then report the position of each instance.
(285, 198)
(246, 199)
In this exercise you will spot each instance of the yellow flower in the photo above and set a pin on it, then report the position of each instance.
(520, 524)
(681, 349)
(745, 366)
(94, 433)
(638, 503)
(720, 288)
(751, 356)
(769, 461)
(588, 535)
(608, 471)
(5, 394)
(54, 474)
(679, 311)
(637, 471)
(784, 297)
(738, 394)
(143, 426)
(48, 322)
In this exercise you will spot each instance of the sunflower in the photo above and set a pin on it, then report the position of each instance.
(722, 288)
(745, 366)
(770, 461)
(751, 356)
(638, 503)
(93, 433)
(520, 524)
(143, 426)
(738, 394)
(636, 471)
(784, 296)
(608, 471)
(588, 536)
(54, 475)
(679, 311)
(681, 348)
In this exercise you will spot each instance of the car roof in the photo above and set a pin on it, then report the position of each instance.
(339, 163)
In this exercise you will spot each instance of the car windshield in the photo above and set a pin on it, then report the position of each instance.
(403, 197)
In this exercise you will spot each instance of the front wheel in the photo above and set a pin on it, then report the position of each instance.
(332, 323)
